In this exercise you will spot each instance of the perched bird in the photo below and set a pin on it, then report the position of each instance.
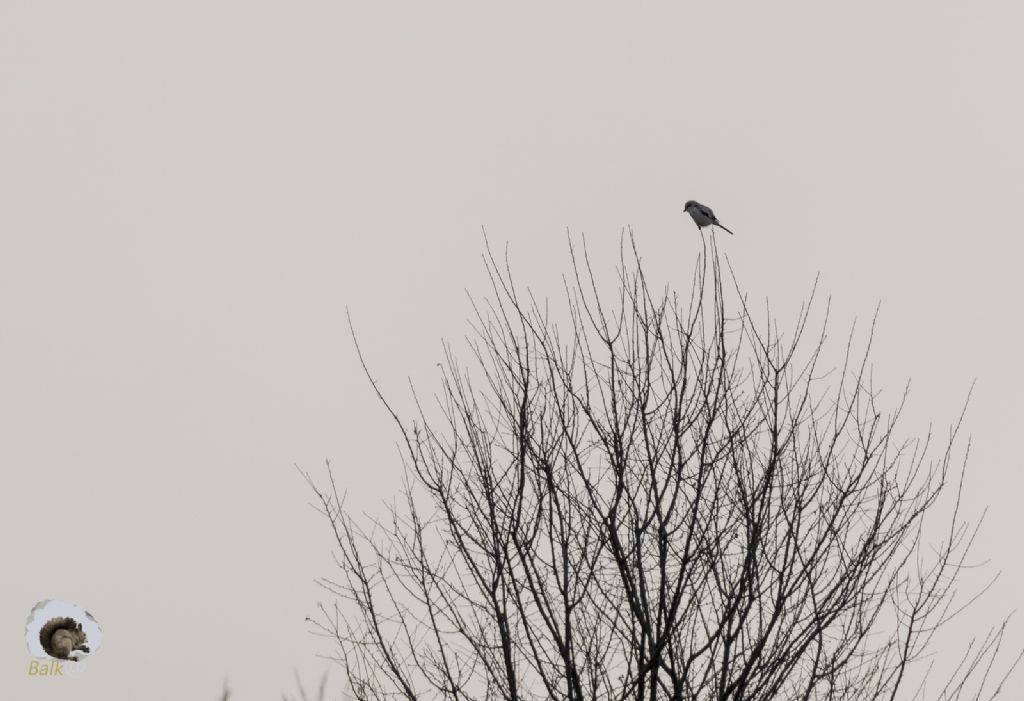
(702, 215)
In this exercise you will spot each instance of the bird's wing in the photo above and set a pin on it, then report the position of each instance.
(706, 211)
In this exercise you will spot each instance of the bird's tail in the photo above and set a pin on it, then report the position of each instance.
(722, 227)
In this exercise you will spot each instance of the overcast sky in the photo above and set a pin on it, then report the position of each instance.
(191, 194)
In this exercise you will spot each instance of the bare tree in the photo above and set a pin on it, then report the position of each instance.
(656, 499)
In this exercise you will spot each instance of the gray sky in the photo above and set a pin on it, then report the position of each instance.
(191, 193)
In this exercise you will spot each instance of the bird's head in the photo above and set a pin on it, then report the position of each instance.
(689, 203)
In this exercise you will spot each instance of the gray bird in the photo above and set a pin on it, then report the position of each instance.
(702, 215)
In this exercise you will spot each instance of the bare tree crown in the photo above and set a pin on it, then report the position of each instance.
(660, 499)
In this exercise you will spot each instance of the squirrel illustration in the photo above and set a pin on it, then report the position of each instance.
(61, 637)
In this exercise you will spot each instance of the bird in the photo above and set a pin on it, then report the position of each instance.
(703, 216)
